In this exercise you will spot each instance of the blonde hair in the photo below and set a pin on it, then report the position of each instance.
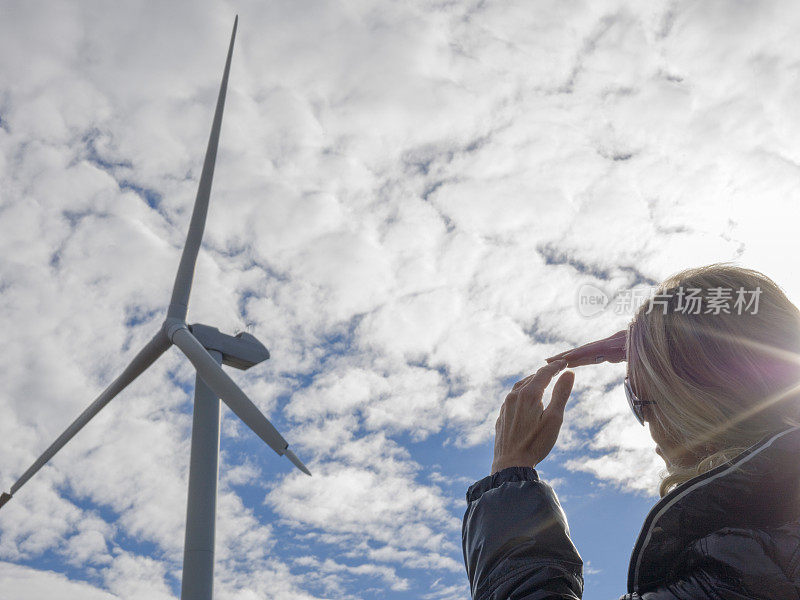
(720, 382)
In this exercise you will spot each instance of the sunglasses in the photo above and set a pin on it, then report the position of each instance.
(635, 403)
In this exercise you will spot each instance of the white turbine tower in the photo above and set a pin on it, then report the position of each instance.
(206, 348)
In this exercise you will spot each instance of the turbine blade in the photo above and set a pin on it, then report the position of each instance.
(297, 462)
(231, 394)
(146, 357)
(183, 279)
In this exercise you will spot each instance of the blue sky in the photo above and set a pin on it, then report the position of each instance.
(408, 200)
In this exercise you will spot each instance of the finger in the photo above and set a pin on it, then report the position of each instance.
(558, 400)
(522, 382)
(590, 347)
(534, 389)
(578, 360)
(499, 422)
(511, 398)
(622, 334)
(611, 349)
(580, 353)
(587, 359)
(615, 340)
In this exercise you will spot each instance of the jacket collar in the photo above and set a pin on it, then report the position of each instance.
(756, 489)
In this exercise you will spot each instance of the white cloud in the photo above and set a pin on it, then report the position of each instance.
(137, 578)
(22, 582)
(407, 198)
(371, 501)
(331, 566)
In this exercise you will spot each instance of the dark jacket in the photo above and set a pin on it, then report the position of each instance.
(732, 533)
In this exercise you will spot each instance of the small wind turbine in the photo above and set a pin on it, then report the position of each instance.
(205, 347)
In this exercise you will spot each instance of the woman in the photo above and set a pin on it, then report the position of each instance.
(721, 396)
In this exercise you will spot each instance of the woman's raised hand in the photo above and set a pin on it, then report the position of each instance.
(525, 431)
(610, 349)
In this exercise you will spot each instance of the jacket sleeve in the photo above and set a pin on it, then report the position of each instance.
(515, 539)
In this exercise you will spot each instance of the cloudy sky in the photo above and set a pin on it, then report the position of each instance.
(408, 198)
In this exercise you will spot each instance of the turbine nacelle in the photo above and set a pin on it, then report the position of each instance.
(240, 351)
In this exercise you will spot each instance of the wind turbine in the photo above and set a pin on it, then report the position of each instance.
(206, 348)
